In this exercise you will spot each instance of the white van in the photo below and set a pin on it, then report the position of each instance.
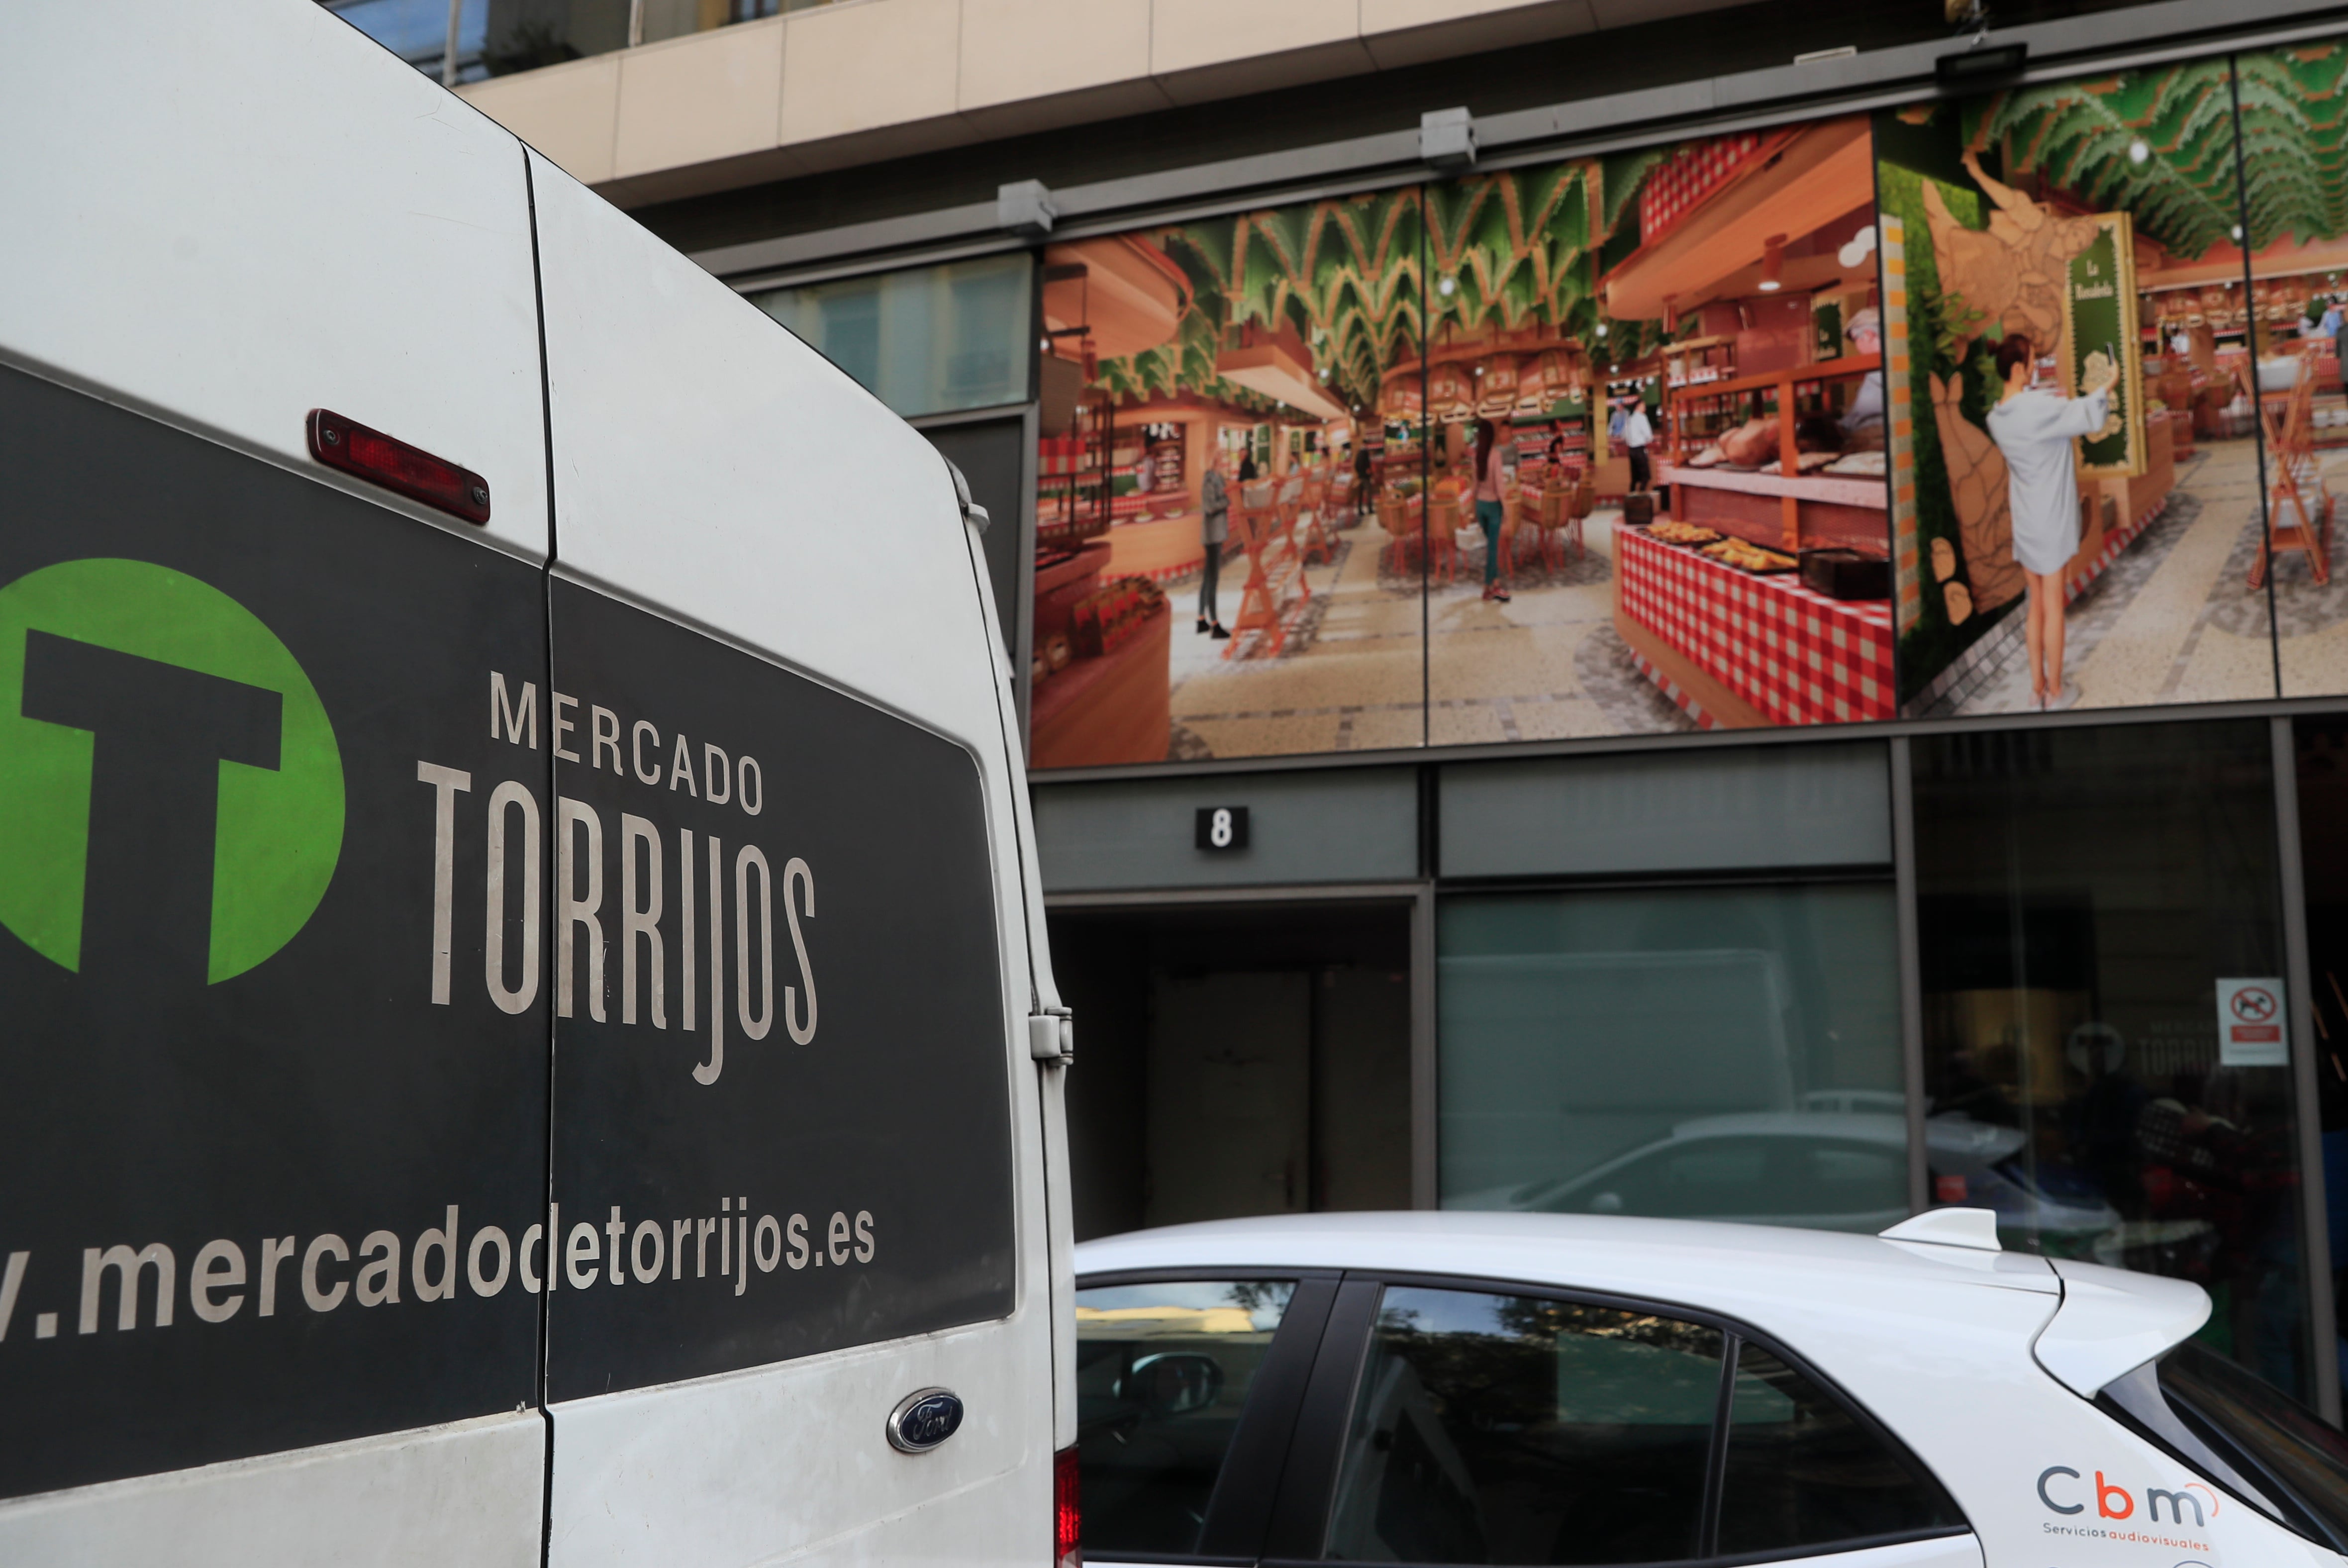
(525, 1031)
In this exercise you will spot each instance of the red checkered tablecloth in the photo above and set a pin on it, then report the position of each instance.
(1691, 172)
(1798, 656)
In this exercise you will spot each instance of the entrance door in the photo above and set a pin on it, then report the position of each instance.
(1230, 1107)
(1239, 1059)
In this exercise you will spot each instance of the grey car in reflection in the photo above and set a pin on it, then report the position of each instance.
(1821, 1169)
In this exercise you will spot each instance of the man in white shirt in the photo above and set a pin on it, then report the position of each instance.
(1637, 435)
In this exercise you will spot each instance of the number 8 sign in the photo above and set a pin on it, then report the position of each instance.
(1222, 829)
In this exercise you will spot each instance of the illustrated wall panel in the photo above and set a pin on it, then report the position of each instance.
(2058, 548)
(1228, 455)
(1657, 380)
(2295, 202)
(1978, 407)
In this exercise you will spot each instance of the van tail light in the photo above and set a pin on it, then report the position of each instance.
(388, 461)
(1067, 1551)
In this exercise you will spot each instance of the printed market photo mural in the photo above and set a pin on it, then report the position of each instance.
(2294, 136)
(1237, 360)
(2166, 540)
(2025, 402)
(1591, 448)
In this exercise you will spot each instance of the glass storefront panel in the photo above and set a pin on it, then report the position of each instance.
(1698, 1053)
(1657, 383)
(418, 32)
(1228, 466)
(929, 340)
(2062, 254)
(2322, 744)
(2100, 949)
(524, 35)
(1634, 445)
(2296, 208)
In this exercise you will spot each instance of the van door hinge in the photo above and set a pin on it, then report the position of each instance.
(1052, 1035)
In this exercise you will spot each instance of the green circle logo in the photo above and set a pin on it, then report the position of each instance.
(154, 736)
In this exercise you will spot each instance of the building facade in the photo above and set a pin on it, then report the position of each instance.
(1631, 608)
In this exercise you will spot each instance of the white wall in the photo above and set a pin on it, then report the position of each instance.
(860, 80)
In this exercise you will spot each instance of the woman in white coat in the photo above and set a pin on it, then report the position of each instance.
(2034, 428)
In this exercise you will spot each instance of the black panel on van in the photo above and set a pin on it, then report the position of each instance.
(270, 1146)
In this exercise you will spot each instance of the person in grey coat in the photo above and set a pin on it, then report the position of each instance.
(1214, 527)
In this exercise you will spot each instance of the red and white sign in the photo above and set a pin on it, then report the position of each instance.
(2250, 1032)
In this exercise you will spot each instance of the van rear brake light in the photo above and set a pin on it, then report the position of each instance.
(385, 461)
(1067, 1552)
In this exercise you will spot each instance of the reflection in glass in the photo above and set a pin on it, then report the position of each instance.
(1802, 1471)
(2322, 781)
(1502, 1428)
(2276, 1453)
(929, 340)
(2082, 895)
(1162, 1373)
(525, 35)
(418, 32)
(1697, 1054)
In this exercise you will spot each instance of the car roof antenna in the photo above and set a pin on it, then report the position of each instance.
(1974, 1228)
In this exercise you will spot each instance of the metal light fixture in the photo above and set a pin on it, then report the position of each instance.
(1773, 264)
(2139, 151)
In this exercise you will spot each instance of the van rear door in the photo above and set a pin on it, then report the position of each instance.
(266, 1183)
(797, 1145)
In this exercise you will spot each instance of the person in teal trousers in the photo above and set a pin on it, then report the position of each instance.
(1490, 512)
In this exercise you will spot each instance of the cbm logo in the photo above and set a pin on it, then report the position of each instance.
(171, 791)
(2118, 1503)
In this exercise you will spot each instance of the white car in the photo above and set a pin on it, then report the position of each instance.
(1544, 1388)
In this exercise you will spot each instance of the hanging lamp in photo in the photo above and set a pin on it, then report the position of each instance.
(1773, 264)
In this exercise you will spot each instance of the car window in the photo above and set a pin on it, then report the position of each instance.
(2245, 1434)
(1802, 1471)
(1507, 1428)
(1162, 1373)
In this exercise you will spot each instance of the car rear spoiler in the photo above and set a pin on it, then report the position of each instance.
(2110, 1322)
(2113, 1321)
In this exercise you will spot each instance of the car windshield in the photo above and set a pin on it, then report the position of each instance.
(2244, 1434)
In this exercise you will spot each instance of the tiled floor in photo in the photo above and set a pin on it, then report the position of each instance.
(2172, 620)
(1349, 677)
(2312, 617)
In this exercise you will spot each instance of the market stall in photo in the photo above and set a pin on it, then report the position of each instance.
(1645, 346)
(2296, 204)
(1759, 595)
